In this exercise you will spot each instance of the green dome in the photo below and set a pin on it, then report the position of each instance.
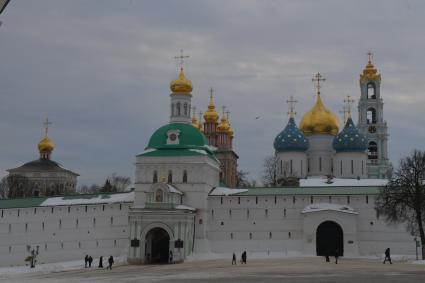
(186, 136)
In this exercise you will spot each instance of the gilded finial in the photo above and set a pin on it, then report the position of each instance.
(348, 103)
(211, 116)
(181, 85)
(370, 56)
(370, 73)
(181, 57)
(291, 103)
(194, 120)
(46, 124)
(46, 145)
(317, 79)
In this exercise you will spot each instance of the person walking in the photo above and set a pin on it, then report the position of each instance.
(234, 259)
(336, 256)
(86, 260)
(244, 257)
(387, 256)
(90, 261)
(170, 258)
(110, 262)
(327, 256)
(101, 262)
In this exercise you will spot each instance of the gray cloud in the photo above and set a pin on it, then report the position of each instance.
(100, 71)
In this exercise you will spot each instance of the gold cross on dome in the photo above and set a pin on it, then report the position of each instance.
(227, 114)
(46, 124)
(348, 101)
(224, 110)
(317, 79)
(370, 56)
(211, 90)
(344, 113)
(181, 58)
(291, 103)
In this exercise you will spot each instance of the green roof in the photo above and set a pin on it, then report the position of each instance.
(176, 152)
(189, 137)
(21, 202)
(310, 191)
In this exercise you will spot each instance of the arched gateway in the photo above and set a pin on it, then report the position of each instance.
(329, 239)
(157, 247)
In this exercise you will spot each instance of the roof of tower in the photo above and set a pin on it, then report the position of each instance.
(319, 120)
(181, 84)
(291, 138)
(370, 73)
(350, 139)
(41, 165)
(178, 139)
(211, 116)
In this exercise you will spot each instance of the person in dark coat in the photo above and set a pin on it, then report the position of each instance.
(110, 262)
(170, 258)
(86, 260)
(101, 262)
(327, 256)
(387, 256)
(336, 256)
(244, 257)
(90, 261)
(234, 259)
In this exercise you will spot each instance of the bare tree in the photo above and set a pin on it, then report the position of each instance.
(241, 179)
(403, 199)
(119, 183)
(4, 188)
(19, 186)
(270, 171)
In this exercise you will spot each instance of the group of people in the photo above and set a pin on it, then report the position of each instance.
(336, 254)
(88, 261)
(243, 258)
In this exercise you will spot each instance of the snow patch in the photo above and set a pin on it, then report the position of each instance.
(181, 206)
(201, 151)
(223, 191)
(84, 199)
(173, 189)
(328, 206)
(147, 150)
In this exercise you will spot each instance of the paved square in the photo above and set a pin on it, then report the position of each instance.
(273, 270)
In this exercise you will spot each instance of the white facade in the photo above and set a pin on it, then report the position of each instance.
(350, 165)
(292, 163)
(319, 154)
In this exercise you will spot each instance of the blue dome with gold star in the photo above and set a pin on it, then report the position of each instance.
(350, 139)
(291, 139)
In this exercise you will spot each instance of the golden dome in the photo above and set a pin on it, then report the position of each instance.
(319, 120)
(211, 116)
(370, 73)
(46, 145)
(181, 84)
(224, 126)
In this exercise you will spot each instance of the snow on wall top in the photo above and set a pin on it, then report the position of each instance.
(92, 199)
(222, 191)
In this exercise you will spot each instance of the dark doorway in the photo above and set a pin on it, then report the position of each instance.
(157, 246)
(329, 239)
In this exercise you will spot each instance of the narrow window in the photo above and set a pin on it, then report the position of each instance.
(97, 243)
(352, 167)
(250, 236)
(112, 220)
(69, 209)
(155, 177)
(340, 167)
(301, 168)
(10, 249)
(45, 246)
(94, 222)
(221, 200)
(76, 223)
(247, 214)
(367, 199)
(284, 212)
(275, 199)
(267, 213)
(230, 213)
(85, 208)
(52, 209)
(281, 170)
(60, 223)
(222, 223)
(115, 243)
(231, 236)
(291, 166)
(289, 235)
(184, 176)
(103, 207)
(320, 164)
(79, 245)
(348, 199)
(212, 213)
(2, 213)
(61, 245)
(293, 199)
(311, 199)
(377, 214)
(308, 165)
(185, 109)
(239, 200)
(42, 225)
(10, 228)
(172, 109)
(200, 221)
(19, 212)
(270, 235)
(26, 227)
(170, 177)
(178, 108)
(371, 91)
(35, 210)
(256, 200)
(120, 206)
(362, 168)
(330, 198)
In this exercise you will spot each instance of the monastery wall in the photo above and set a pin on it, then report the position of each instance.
(63, 232)
(276, 224)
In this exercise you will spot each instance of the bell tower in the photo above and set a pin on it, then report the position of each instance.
(371, 122)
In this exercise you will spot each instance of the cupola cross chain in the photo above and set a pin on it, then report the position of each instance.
(291, 103)
(317, 79)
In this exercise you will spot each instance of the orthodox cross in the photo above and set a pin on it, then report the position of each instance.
(211, 92)
(46, 124)
(348, 103)
(344, 113)
(227, 114)
(200, 116)
(370, 55)
(317, 79)
(224, 111)
(291, 103)
(181, 58)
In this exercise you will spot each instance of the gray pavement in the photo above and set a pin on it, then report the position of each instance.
(274, 270)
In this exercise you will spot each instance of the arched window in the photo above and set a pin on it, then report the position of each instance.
(172, 109)
(372, 152)
(159, 195)
(185, 109)
(170, 177)
(155, 177)
(371, 93)
(178, 108)
(371, 115)
(184, 176)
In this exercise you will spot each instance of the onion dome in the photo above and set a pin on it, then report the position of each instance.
(211, 116)
(46, 145)
(224, 125)
(181, 84)
(350, 139)
(194, 120)
(319, 120)
(370, 73)
(291, 138)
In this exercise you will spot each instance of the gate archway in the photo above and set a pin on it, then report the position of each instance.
(157, 246)
(329, 239)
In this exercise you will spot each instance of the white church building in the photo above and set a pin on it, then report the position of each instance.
(179, 208)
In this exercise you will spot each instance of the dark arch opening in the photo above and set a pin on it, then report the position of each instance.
(371, 91)
(329, 239)
(372, 151)
(157, 246)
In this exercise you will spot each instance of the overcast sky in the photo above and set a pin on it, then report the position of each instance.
(100, 70)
